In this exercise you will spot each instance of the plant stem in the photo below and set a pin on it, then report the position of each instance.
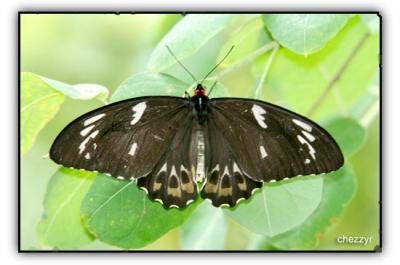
(257, 91)
(249, 58)
(369, 116)
(338, 75)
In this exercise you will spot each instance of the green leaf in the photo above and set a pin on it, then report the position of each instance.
(279, 207)
(304, 33)
(246, 40)
(39, 104)
(119, 213)
(149, 84)
(372, 21)
(293, 77)
(79, 91)
(60, 226)
(41, 99)
(188, 36)
(205, 230)
(339, 189)
(348, 133)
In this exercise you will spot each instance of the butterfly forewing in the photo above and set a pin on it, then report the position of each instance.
(125, 139)
(271, 143)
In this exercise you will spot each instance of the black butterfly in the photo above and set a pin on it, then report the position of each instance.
(170, 144)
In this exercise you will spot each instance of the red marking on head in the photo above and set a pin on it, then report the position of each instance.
(200, 91)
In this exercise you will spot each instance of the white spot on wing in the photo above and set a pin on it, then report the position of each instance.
(93, 119)
(173, 171)
(87, 130)
(258, 113)
(309, 136)
(310, 148)
(163, 169)
(158, 200)
(236, 168)
(145, 190)
(226, 171)
(132, 151)
(82, 146)
(303, 125)
(87, 156)
(263, 152)
(158, 137)
(138, 111)
(307, 161)
(216, 168)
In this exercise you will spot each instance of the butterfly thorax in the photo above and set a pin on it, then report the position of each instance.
(200, 100)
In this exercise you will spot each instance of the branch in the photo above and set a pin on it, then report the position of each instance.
(257, 91)
(338, 75)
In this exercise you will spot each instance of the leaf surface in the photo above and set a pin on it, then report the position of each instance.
(60, 226)
(205, 230)
(188, 36)
(39, 104)
(246, 40)
(348, 133)
(117, 212)
(279, 207)
(298, 82)
(149, 84)
(339, 189)
(304, 33)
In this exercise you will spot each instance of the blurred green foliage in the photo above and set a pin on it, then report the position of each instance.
(322, 66)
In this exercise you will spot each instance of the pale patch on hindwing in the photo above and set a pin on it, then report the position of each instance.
(229, 186)
(171, 185)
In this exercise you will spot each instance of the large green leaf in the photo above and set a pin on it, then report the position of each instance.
(39, 104)
(247, 39)
(120, 214)
(339, 189)
(149, 84)
(304, 33)
(188, 36)
(41, 99)
(60, 226)
(348, 133)
(293, 77)
(205, 230)
(279, 207)
(79, 91)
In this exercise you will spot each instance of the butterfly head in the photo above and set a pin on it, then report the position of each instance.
(200, 90)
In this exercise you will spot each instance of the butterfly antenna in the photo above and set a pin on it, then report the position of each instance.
(181, 64)
(215, 67)
(212, 87)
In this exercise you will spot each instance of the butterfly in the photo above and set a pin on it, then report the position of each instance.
(176, 148)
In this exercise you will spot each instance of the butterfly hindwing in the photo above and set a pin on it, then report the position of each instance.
(225, 183)
(172, 180)
(272, 143)
(125, 139)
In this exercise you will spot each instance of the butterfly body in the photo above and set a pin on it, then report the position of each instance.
(200, 100)
(169, 145)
